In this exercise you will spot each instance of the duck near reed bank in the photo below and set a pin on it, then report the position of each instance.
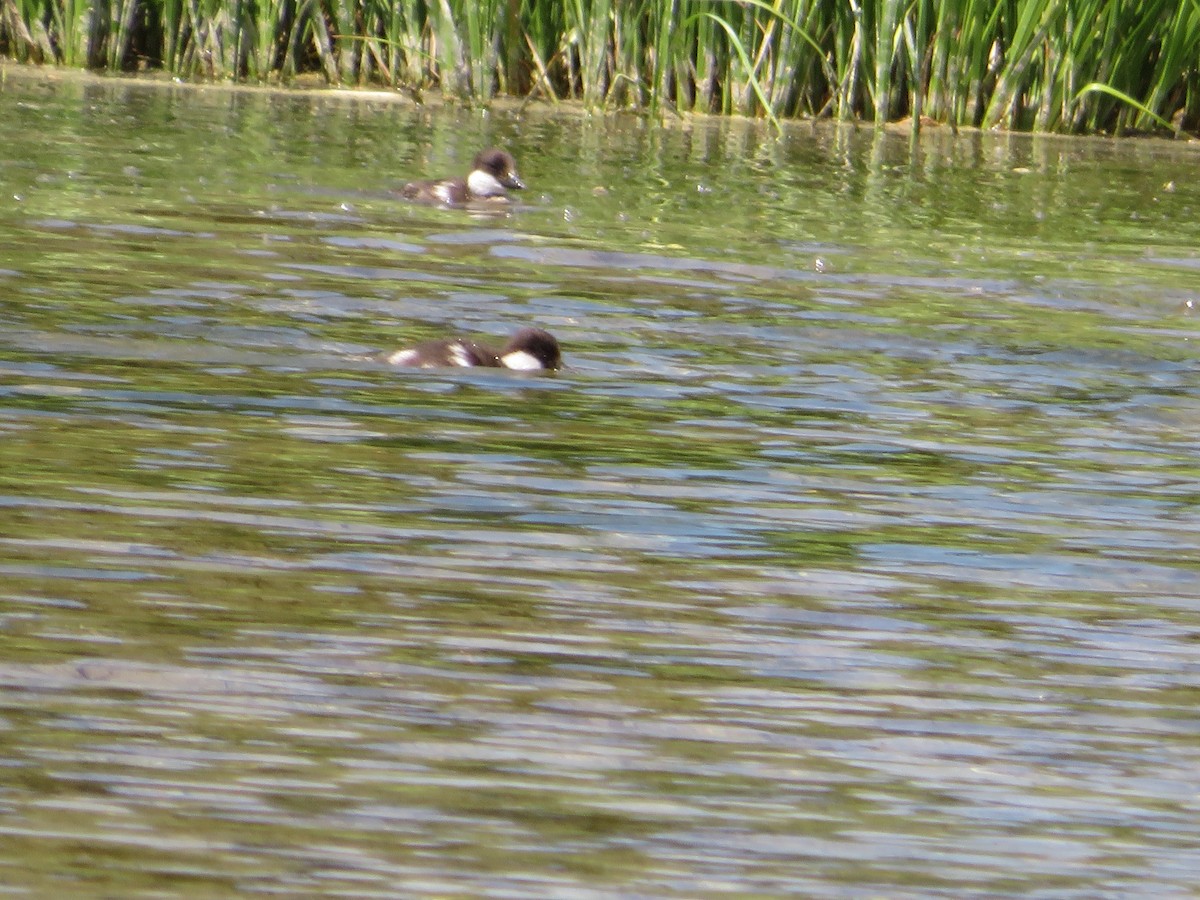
(493, 174)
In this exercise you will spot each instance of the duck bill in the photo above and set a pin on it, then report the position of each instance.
(512, 182)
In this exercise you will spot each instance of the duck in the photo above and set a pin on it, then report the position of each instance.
(528, 350)
(493, 174)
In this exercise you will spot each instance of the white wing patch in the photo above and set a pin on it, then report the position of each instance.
(522, 360)
(403, 357)
(442, 192)
(459, 355)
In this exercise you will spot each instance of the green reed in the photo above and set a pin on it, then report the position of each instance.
(1044, 65)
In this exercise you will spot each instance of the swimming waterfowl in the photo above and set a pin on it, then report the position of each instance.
(529, 350)
(493, 174)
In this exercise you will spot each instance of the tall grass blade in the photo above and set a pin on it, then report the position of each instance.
(1096, 87)
(885, 45)
(738, 48)
(455, 77)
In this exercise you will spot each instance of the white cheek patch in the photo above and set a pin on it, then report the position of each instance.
(459, 355)
(403, 357)
(484, 184)
(522, 360)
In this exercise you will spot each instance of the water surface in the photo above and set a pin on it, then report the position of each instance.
(855, 553)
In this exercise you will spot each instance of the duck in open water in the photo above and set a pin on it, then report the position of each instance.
(528, 350)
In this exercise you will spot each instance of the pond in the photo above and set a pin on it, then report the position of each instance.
(855, 552)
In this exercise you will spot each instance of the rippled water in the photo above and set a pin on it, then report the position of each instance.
(855, 554)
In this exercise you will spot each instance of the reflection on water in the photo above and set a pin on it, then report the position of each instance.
(854, 552)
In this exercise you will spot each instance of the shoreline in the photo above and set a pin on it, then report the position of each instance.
(435, 100)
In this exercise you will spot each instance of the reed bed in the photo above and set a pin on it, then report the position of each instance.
(1041, 65)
